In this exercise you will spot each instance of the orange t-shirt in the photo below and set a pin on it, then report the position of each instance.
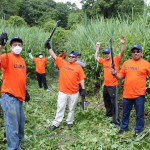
(135, 73)
(40, 64)
(69, 76)
(14, 75)
(109, 79)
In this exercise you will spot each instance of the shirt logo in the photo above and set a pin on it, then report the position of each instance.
(132, 68)
(67, 68)
(19, 66)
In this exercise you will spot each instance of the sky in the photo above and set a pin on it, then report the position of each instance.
(77, 2)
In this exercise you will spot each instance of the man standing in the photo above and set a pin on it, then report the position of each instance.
(110, 82)
(13, 91)
(134, 71)
(70, 75)
(40, 63)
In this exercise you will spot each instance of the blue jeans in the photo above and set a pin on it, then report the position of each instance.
(139, 108)
(14, 121)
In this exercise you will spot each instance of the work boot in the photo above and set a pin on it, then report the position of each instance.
(69, 126)
(53, 127)
(120, 132)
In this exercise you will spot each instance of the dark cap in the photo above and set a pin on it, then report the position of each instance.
(61, 51)
(40, 53)
(106, 51)
(136, 46)
(74, 53)
(16, 39)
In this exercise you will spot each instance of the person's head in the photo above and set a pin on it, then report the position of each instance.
(16, 44)
(40, 55)
(106, 53)
(62, 54)
(72, 58)
(78, 55)
(136, 51)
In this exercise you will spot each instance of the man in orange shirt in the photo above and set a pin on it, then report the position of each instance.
(134, 71)
(110, 82)
(70, 75)
(13, 91)
(40, 63)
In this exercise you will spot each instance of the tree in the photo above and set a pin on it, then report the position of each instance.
(32, 10)
(62, 14)
(74, 18)
(16, 21)
(9, 8)
(112, 8)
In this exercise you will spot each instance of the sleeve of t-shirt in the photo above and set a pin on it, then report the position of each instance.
(117, 58)
(81, 63)
(100, 60)
(46, 59)
(4, 60)
(81, 74)
(122, 71)
(58, 62)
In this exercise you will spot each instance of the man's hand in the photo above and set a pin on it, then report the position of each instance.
(122, 40)
(3, 39)
(83, 93)
(147, 90)
(47, 45)
(97, 46)
(113, 72)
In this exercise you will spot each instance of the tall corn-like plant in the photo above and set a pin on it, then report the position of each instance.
(33, 38)
(84, 39)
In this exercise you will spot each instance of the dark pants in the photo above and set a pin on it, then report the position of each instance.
(42, 80)
(139, 108)
(110, 94)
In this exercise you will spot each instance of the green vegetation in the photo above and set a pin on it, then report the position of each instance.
(91, 131)
(84, 39)
(79, 30)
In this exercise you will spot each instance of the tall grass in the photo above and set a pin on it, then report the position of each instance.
(84, 39)
(33, 39)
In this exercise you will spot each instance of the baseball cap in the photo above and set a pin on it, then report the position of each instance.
(136, 46)
(106, 51)
(74, 53)
(16, 39)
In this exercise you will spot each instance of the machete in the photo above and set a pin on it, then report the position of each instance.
(116, 116)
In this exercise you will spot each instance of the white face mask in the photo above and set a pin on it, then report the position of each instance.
(17, 50)
(41, 56)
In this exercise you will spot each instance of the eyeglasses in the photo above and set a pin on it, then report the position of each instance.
(136, 51)
(72, 56)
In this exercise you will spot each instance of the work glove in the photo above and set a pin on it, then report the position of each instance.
(29, 51)
(47, 45)
(27, 96)
(83, 93)
(147, 91)
(3, 39)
